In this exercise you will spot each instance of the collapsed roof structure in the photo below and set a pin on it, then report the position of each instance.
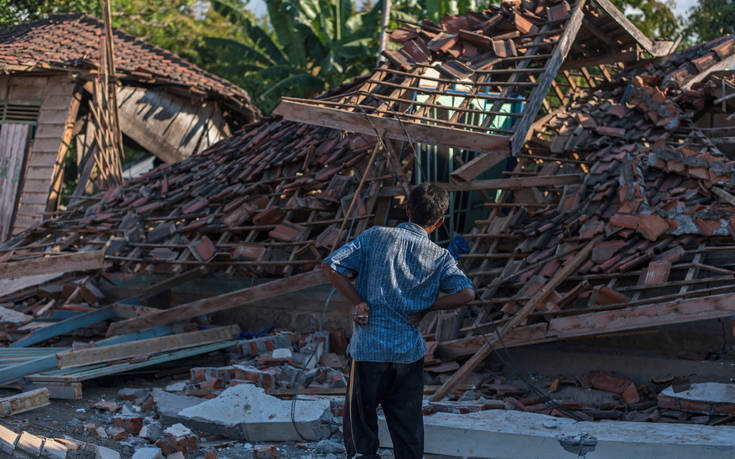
(50, 73)
(616, 210)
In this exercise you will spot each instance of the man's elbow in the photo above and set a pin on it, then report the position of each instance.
(468, 295)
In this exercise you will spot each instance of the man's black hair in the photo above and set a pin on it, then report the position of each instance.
(427, 202)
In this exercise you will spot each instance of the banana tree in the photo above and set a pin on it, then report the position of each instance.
(311, 45)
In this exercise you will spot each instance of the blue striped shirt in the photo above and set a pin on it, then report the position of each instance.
(399, 272)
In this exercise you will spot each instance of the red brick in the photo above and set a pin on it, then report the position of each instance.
(610, 132)
(266, 452)
(617, 110)
(248, 252)
(651, 226)
(725, 49)
(288, 232)
(606, 249)
(707, 227)
(624, 221)
(268, 216)
(657, 272)
(203, 250)
(131, 424)
(606, 296)
(117, 433)
(195, 205)
(631, 395)
(610, 383)
(558, 12)
(239, 216)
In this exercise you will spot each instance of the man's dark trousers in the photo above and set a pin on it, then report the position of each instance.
(399, 389)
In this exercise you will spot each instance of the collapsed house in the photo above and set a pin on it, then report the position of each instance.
(593, 188)
(49, 86)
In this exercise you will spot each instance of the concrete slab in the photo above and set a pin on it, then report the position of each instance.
(246, 412)
(52, 449)
(30, 444)
(148, 453)
(102, 452)
(501, 434)
(168, 405)
(8, 438)
(706, 398)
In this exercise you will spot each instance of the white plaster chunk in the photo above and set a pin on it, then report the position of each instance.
(14, 317)
(148, 453)
(259, 416)
(705, 392)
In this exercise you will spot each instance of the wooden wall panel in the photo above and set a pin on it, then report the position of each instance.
(14, 139)
(47, 148)
(168, 126)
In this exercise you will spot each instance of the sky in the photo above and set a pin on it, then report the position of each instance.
(682, 6)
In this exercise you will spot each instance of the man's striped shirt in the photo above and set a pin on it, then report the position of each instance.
(399, 272)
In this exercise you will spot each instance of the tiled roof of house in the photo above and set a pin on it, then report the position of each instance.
(72, 41)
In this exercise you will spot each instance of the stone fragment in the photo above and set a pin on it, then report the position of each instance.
(8, 439)
(246, 412)
(148, 453)
(29, 444)
(151, 431)
(52, 449)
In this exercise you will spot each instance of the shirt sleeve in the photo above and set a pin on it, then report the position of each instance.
(348, 259)
(453, 279)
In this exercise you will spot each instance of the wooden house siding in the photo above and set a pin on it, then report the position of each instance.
(171, 127)
(40, 189)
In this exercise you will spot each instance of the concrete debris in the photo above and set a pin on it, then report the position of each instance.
(148, 453)
(246, 412)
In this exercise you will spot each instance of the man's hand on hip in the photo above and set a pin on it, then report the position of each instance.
(361, 313)
(415, 319)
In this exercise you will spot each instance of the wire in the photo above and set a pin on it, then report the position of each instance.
(313, 353)
(508, 361)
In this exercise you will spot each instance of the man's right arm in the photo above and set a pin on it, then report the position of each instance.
(343, 264)
(344, 286)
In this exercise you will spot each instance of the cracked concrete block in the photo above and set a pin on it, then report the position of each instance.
(148, 453)
(8, 438)
(30, 444)
(246, 412)
(53, 449)
(169, 405)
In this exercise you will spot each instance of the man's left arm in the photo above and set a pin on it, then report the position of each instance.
(457, 289)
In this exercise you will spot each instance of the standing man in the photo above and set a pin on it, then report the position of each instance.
(400, 273)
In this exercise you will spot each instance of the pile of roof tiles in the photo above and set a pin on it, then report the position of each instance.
(72, 41)
(269, 200)
(466, 38)
(655, 191)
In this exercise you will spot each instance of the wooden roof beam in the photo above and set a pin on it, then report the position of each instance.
(295, 110)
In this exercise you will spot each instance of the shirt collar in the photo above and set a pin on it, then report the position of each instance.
(414, 228)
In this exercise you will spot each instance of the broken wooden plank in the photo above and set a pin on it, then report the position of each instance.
(514, 183)
(568, 269)
(65, 326)
(144, 348)
(66, 263)
(476, 166)
(221, 302)
(538, 95)
(58, 390)
(363, 123)
(167, 284)
(595, 323)
(23, 402)
(43, 363)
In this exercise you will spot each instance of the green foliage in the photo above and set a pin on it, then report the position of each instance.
(654, 18)
(710, 19)
(305, 47)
